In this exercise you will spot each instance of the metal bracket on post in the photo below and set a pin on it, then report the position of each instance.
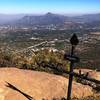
(73, 59)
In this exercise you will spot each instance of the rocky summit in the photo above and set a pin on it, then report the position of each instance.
(39, 85)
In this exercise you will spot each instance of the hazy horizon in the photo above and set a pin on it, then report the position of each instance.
(66, 7)
(65, 14)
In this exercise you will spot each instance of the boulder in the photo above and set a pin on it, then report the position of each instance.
(39, 85)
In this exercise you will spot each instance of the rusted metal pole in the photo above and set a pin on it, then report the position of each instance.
(70, 76)
(72, 58)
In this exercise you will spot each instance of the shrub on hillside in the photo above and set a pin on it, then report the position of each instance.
(40, 60)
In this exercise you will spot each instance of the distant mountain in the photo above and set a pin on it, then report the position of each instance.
(5, 18)
(46, 19)
(56, 19)
(87, 18)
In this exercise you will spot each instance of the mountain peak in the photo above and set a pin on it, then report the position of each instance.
(49, 14)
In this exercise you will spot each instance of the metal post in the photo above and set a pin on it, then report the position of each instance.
(72, 58)
(70, 76)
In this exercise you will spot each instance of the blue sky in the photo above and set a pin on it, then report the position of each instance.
(54, 6)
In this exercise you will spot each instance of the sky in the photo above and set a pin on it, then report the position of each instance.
(54, 6)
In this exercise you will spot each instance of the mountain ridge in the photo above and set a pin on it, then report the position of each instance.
(55, 19)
